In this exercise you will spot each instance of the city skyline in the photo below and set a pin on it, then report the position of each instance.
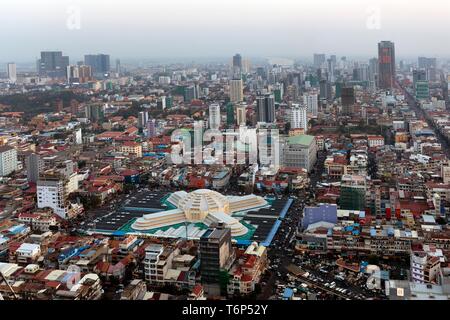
(285, 28)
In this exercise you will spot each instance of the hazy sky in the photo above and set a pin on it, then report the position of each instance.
(220, 28)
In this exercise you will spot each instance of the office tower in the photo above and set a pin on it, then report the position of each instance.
(95, 112)
(261, 72)
(265, 108)
(216, 258)
(99, 63)
(343, 63)
(331, 65)
(348, 100)
(191, 93)
(373, 69)
(425, 63)
(246, 65)
(118, 67)
(241, 115)
(11, 70)
(236, 90)
(338, 89)
(319, 60)
(34, 165)
(142, 119)
(361, 73)
(8, 160)
(326, 91)
(278, 92)
(312, 102)
(237, 63)
(298, 118)
(353, 192)
(422, 89)
(53, 64)
(386, 69)
(169, 102)
(230, 114)
(214, 116)
(161, 103)
(419, 75)
(421, 84)
(151, 128)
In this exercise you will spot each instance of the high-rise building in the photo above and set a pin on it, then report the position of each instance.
(118, 67)
(421, 84)
(422, 89)
(348, 100)
(11, 70)
(265, 108)
(216, 257)
(361, 73)
(161, 103)
(230, 114)
(79, 74)
(373, 69)
(237, 62)
(53, 64)
(353, 193)
(52, 193)
(34, 165)
(319, 60)
(151, 128)
(95, 112)
(236, 90)
(142, 119)
(298, 117)
(214, 116)
(299, 152)
(241, 114)
(8, 160)
(419, 75)
(386, 61)
(326, 92)
(312, 102)
(278, 92)
(99, 63)
(331, 64)
(191, 93)
(425, 63)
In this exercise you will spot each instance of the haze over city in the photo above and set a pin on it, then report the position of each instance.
(205, 28)
(234, 153)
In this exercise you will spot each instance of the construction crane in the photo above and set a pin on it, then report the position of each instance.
(2, 278)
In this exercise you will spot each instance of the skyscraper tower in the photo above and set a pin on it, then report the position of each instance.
(99, 63)
(237, 61)
(53, 64)
(265, 108)
(236, 90)
(237, 66)
(214, 116)
(319, 60)
(12, 72)
(386, 60)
